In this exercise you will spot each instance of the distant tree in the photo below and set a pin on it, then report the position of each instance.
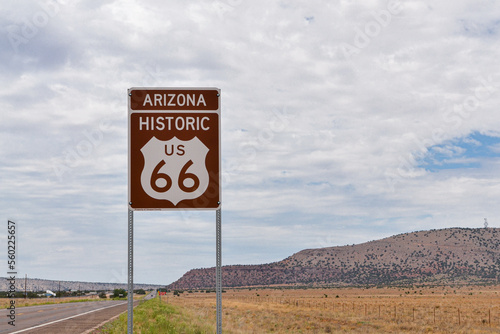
(32, 294)
(118, 293)
(103, 295)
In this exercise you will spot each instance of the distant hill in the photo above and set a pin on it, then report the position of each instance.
(37, 284)
(452, 255)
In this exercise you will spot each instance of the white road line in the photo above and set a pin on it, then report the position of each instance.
(73, 316)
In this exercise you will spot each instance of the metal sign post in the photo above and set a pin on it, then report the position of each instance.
(130, 290)
(174, 161)
(218, 269)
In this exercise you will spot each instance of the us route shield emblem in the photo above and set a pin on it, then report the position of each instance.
(174, 170)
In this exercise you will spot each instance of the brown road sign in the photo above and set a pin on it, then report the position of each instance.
(174, 148)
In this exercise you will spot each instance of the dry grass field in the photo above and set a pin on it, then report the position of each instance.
(469, 309)
(20, 302)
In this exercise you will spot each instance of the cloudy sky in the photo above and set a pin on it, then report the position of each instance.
(342, 122)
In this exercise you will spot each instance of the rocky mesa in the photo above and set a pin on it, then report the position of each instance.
(444, 256)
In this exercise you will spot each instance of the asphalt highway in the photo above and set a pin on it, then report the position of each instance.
(68, 318)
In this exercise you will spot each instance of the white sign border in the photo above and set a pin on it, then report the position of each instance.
(130, 112)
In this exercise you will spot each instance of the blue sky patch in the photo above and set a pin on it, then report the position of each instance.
(465, 152)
